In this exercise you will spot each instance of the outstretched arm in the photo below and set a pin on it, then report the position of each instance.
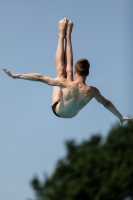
(61, 82)
(109, 105)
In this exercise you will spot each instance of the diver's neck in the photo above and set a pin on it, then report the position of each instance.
(79, 79)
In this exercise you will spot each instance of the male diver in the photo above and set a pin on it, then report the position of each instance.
(70, 92)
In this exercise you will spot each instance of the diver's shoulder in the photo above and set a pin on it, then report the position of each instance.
(92, 89)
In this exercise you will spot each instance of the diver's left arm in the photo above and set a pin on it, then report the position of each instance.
(61, 82)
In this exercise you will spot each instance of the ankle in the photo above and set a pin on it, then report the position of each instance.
(68, 36)
(61, 35)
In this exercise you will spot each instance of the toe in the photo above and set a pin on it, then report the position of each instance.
(71, 22)
(65, 20)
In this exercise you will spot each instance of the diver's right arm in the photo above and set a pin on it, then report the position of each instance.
(109, 105)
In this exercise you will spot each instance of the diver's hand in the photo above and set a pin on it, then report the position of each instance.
(123, 119)
(9, 73)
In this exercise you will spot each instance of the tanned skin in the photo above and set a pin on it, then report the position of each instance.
(72, 92)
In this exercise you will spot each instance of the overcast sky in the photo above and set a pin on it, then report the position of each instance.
(31, 136)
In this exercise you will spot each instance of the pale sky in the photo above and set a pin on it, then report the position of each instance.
(31, 136)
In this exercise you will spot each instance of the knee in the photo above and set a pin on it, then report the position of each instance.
(69, 74)
(60, 71)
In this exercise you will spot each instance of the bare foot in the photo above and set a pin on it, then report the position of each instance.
(69, 27)
(62, 27)
(125, 119)
(8, 73)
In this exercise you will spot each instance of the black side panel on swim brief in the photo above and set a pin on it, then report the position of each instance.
(54, 106)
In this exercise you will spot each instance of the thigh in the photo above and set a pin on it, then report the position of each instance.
(57, 94)
(60, 71)
(69, 73)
